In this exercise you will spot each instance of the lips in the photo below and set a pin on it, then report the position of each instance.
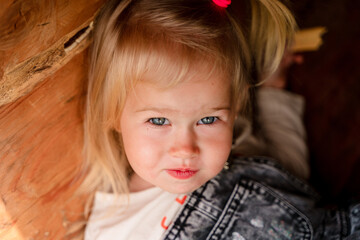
(181, 173)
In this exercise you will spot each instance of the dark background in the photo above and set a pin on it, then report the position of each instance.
(329, 79)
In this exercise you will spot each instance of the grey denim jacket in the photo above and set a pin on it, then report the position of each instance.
(257, 199)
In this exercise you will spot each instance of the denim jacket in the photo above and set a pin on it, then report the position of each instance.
(256, 199)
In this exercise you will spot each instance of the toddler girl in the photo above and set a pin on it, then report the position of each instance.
(168, 79)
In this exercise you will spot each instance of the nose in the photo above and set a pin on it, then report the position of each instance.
(184, 145)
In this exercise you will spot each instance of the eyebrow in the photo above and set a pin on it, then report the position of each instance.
(161, 110)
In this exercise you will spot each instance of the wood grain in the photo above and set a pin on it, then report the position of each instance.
(40, 152)
(32, 39)
(41, 93)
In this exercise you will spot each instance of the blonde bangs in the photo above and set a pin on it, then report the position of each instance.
(136, 55)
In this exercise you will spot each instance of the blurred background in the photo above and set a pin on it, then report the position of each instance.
(329, 79)
(43, 65)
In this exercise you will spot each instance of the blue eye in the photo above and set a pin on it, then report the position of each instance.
(207, 120)
(159, 121)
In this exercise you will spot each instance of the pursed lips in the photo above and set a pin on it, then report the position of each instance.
(181, 173)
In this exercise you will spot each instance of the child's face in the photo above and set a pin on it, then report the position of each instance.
(177, 138)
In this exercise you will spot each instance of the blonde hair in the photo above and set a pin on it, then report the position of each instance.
(135, 36)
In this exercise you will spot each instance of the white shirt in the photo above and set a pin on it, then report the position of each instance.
(147, 215)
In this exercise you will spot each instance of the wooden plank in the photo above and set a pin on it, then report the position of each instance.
(42, 74)
(40, 152)
(32, 39)
(308, 39)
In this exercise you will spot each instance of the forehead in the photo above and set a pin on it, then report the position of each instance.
(196, 93)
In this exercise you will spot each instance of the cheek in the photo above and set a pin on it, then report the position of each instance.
(221, 149)
(141, 147)
(217, 148)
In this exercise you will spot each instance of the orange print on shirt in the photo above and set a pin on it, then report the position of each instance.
(182, 200)
(179, 200)
(163, 223)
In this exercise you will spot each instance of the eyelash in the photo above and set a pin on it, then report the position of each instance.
(214, 119)
(151, 120)
(166, 121)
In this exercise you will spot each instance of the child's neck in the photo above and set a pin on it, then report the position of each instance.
(138, 184)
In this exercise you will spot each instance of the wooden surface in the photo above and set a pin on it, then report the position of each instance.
(40, 150)
(43, 68)
(32, 38)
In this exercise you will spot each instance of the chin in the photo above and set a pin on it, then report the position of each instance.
(187, 188)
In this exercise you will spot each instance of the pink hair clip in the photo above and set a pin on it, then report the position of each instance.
(222, 3)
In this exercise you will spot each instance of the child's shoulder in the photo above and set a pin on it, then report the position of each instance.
(260, 176)
(253, 196)
(268, 172)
